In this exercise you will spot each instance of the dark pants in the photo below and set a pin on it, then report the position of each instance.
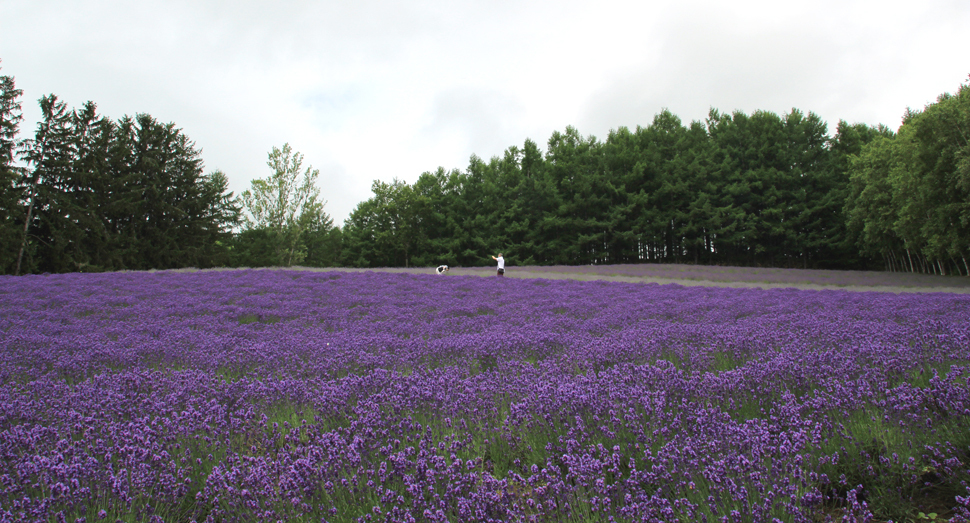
(500, 272)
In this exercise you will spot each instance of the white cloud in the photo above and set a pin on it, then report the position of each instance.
(377, 89)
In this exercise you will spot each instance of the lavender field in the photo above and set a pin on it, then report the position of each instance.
(764, 277)
(394, 397)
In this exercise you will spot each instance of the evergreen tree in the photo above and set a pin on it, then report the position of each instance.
(128, 196)
(530, 198)
(386, 230)
(323, 242)
(440, 221)
(91, 191)
(180, 216)
(50, 155)
(573, 233)
(815, 224)
(11, 193)
(699, 213)
(217, 212)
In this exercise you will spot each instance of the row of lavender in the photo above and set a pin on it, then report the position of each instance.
(300, 396)
(768, 275)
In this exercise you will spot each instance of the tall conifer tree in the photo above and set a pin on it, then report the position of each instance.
(11, 193)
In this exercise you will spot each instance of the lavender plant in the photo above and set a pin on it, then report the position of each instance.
(768, 275)
(353, 397)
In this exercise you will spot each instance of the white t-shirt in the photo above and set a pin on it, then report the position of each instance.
(501, 262)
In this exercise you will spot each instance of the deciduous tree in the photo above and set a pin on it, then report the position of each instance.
(285, 205)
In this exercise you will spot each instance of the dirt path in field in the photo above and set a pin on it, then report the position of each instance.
(937, 284)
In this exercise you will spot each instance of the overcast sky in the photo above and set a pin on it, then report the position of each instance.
(378, 89)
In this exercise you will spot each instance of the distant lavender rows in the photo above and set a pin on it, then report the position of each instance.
(774, 275)
(309, 396)
(727, 274)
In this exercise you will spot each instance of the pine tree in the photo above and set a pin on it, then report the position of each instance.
(11, 194)
(49, 155)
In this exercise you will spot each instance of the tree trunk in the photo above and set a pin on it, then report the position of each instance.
(23, 242)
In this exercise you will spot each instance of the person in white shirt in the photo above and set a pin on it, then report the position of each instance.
(501, 264)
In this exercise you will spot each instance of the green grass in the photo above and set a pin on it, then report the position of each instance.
(270, 319)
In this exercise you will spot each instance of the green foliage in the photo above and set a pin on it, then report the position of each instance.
(284, 217)
(741, 189)
(90, 194)
(387, 229)
(323, 244)
(909, 195)
(755, 189)
(11, 195)
(126, 195)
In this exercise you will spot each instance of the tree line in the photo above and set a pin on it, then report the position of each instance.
(87, 193)
(98, 194)
(737, 189)
(758, 189)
